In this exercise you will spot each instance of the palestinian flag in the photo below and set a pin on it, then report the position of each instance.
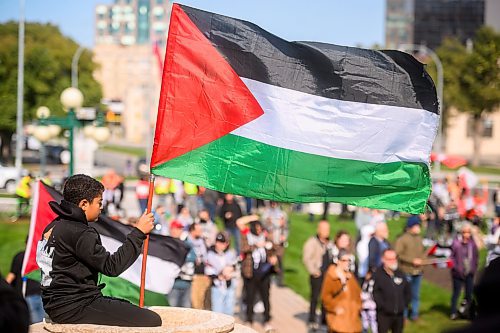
(243, 111)
(165, 256)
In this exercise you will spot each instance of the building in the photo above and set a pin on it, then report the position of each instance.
(130, 39)
(429, 22)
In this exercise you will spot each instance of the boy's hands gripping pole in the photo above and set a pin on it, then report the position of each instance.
(146, 222)
(147, 225)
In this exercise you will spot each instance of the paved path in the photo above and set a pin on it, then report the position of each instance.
(289, 312)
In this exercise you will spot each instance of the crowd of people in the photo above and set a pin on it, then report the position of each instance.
(362, 282)
(250, 247)
(374, 285)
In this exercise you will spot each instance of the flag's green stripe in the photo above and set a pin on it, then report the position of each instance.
(35, 275)
(234, 164)
(121, 288)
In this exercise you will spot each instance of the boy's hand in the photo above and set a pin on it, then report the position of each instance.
(145, 223)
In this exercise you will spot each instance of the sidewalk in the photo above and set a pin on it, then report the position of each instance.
(289, 312)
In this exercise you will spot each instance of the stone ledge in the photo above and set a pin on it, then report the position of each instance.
(175, 320)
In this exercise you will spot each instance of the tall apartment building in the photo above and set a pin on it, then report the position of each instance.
(125, 34)
(428, 22)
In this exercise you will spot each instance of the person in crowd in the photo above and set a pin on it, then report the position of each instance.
(343, 242)
(201, 283)
(276, 223)
(411, 253)
(259, 264)
(14, 314)
(229, 213)
(142, 193)
(464, 256)
(368, 305)
(180, 295)
(162, 189)
(113, 191)
(208, 227)
(220, 267)
(317, 256)
(23, 194)
(191, 198)
(391, 292)
(492, 242)
(341, 296)
(210, 198)
(362, 217)
(70, 256)
(185, 217)
(496, 200)
(362, 250)
(377, 245)
(31, 292)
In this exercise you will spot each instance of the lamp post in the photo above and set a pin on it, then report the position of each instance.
(439, 66)
(43, 134)
(71, 98)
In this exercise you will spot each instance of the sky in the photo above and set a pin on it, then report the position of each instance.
(342, 22)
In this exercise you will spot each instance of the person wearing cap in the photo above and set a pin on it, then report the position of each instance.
(220, 267)
(341, 296)
(411, 253)
(180, 295)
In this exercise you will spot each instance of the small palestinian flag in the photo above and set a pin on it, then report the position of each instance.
(243, 111)
(165, 256)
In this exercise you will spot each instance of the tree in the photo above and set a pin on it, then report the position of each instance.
(47, 72)
(472, 79)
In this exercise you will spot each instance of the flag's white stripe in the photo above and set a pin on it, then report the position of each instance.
(340, 129)
(160, 274)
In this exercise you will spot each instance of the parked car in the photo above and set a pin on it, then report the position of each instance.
(8, 178)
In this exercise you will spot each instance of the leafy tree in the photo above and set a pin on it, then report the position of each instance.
(47, 72)
(472, 79)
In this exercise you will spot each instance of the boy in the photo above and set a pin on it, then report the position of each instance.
(71, 256)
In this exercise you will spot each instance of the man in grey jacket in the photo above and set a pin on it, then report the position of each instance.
(317, 256)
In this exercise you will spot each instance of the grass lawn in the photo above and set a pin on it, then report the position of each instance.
(434, 307)
(135, 151)
(12, 240)
(481, 169)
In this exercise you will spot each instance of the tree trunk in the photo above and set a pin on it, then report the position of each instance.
(477, 135)
(5, 151)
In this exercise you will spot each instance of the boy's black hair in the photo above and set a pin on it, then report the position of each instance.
(80, 187)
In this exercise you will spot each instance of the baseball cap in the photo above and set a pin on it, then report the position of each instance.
(176, 224)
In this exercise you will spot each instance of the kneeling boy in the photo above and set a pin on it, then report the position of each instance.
(71, 256)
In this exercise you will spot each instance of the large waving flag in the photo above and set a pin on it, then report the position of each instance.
(245, 112)
(165, 256)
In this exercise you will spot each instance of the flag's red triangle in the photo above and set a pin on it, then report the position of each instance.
(41, 216)
(202, 98)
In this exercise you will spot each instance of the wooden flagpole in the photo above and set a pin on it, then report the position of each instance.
(146, 242)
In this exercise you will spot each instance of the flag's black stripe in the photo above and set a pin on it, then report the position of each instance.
(338, 72)
(163, 247)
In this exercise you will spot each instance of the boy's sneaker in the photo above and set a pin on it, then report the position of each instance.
(453, 316)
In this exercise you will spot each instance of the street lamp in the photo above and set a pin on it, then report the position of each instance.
(71, 98)
(44, 133)
(439, 66)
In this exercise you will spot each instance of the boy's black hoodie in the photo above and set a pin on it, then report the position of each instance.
(70, 255)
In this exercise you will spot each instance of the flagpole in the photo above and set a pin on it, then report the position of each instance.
(146, 243)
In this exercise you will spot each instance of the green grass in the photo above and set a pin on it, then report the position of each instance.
(12, 240)
(481, 169)
(434, 306)
(135, 151)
